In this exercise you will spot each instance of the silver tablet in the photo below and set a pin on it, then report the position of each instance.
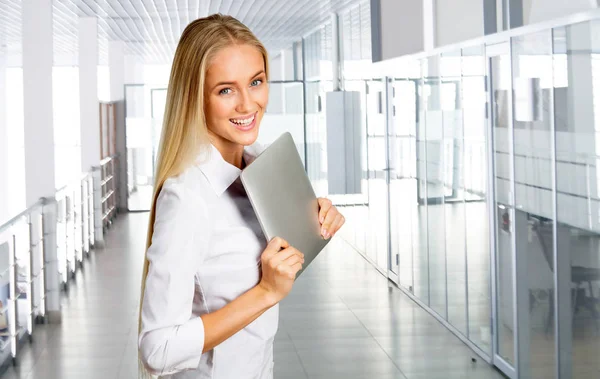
(283, 198)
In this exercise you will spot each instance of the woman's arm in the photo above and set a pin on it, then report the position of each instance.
(279, 268)
(235, 316)
(171, 339)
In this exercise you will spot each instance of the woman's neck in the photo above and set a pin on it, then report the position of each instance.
(231, 152)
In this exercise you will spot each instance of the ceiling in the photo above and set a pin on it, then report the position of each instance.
(151, 28)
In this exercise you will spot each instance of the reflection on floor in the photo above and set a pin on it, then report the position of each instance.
(342, 320)
(443, 252)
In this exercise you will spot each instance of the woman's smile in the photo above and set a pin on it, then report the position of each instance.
(245, 123)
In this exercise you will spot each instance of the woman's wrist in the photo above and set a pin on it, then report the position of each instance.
(266, 297)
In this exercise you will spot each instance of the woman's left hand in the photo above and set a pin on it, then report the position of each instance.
(330, 218)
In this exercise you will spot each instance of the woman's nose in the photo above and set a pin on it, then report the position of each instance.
(244, 102)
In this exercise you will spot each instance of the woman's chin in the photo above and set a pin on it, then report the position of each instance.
(247, 137)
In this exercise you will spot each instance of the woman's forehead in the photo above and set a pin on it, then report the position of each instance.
(235, 63)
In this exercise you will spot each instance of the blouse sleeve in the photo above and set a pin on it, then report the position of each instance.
(171, 339)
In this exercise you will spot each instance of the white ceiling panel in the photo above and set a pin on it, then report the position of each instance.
(151, 28)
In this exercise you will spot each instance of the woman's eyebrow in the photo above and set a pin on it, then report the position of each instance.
(232, 83)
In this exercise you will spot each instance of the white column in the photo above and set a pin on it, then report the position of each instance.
(39, 131)
(3, 145)
(88, 93)
(90, 112)
(37, 98)
(116, 66)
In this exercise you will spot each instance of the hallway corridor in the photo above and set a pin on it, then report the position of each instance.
(343, 319)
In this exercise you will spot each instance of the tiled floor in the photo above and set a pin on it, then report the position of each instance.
(342, 320)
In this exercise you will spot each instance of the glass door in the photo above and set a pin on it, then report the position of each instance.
(377, 226)
(502, 183)
(145, 107)
(402, 178)
(393, 255)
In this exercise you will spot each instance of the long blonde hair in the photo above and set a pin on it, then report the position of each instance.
(184, 130)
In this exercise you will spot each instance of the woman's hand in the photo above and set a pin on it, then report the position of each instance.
(280, 264)
(330, 218)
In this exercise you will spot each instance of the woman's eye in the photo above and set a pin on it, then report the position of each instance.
(225, 91)
(255, 82)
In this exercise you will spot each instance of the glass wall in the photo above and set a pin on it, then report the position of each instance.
(144, 112)
(476, 196)
(576, 73)
(368, 211)
(481, 188)
(426, 133)
(534, 194)
(438, 188)
(318, 71)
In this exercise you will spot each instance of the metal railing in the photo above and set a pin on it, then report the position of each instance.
(22, 276)
(42, 248)
(74, 225)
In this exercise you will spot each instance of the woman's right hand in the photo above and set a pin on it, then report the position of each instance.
(280, 264)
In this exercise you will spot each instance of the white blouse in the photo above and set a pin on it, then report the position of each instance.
(205, 252)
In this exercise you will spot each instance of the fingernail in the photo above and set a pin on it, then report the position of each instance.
(324, 232)
(321, 219)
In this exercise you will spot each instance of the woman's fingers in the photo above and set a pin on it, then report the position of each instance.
(285, 254)
(324, 206)
(326, 229)
(337, 224)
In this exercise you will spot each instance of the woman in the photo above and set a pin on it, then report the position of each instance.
(211, 286)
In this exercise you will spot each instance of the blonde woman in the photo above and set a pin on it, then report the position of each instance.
(211, 284)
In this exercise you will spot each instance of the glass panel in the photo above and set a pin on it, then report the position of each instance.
(436, 190)
(475, 171)
(454, 199)
(577, 86)
(421, 255)
(403, 181)
(316, 134)
(377, 229)
(503, 182)
(534, 192)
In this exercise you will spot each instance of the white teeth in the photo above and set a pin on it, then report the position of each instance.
(243, 122)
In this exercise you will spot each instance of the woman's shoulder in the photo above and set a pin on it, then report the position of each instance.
(185, 191)
(190, 181)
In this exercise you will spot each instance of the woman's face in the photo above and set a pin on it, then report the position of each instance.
(236, 95)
